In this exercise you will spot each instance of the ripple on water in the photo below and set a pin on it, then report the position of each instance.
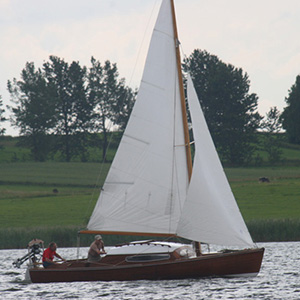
(12, 290)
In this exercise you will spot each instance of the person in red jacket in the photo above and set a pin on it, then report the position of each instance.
(49, 254)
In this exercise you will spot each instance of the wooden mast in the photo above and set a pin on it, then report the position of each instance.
(182, 97)
(183, 110)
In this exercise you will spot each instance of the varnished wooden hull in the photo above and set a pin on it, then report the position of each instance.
(220, 264)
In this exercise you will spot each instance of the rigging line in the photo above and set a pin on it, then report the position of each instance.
(137, 58)
(99, 174)
(183, 53)
(87, 212)
(142, 42)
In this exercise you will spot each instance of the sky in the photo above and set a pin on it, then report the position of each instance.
(259, 36)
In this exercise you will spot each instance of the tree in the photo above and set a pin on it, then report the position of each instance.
(291, 113)
(229, 109)
(113, 100)
(34, 112)
(272, 125)
(123, 105)
(2, 118)
(83, 110)
(73, 109)
(66, 100)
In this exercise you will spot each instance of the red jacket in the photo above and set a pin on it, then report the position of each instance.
(48, 253)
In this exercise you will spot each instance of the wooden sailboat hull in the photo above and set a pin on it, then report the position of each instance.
(244, 262)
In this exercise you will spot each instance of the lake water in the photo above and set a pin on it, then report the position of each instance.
(279, 279)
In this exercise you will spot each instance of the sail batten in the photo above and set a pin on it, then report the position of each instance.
(153, 85)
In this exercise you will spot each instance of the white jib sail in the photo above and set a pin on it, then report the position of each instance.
(210, 213)
(147, 183)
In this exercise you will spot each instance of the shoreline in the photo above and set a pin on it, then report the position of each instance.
(269, 230)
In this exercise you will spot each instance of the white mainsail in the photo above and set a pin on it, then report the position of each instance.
(147, 183)
(147, 188)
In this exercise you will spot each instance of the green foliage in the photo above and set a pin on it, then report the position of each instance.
(229, 109)
(11, 151)
(271, 143)
(123, 105)
(291, 113)
(274, 230)
(16, 150)
(70, 103)
(272, 123)
(272, 147)
(74, 112)
(2, 118)
(113, 100)
(34, 110)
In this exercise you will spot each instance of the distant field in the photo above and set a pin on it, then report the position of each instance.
(253, 174)
(279, 199)
(53, 173)
(30, 206)
(27, 197)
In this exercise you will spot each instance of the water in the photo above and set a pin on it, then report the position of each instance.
(279, 279)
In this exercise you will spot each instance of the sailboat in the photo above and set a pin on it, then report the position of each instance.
(153, 188)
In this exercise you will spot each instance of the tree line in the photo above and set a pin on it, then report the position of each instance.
(70, 102)
(73, 103)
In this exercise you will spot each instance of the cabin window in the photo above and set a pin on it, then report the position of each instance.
(147, 258)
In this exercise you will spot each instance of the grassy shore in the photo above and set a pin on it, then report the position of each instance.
(66, 236)
(53, 200)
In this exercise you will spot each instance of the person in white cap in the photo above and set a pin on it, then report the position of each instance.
(96, 248)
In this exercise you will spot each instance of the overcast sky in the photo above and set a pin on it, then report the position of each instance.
(259, 36)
